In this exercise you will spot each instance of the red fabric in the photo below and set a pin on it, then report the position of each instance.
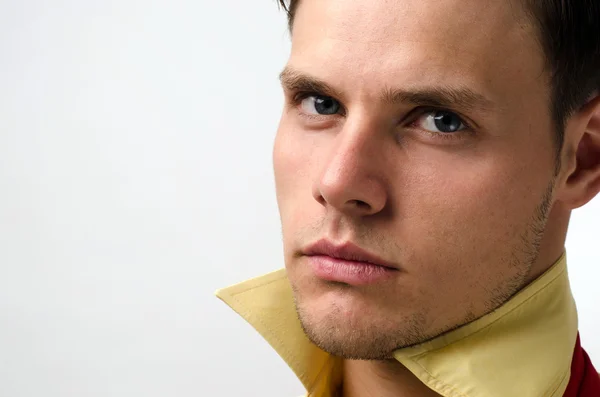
(585, 381)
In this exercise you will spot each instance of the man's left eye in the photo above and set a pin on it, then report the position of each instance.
(440, 122)
(320, 105)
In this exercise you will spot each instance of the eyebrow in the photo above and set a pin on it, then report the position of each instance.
(442, 97)
(293, 80)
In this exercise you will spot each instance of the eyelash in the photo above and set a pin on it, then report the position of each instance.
(413, 116)
(302, 95)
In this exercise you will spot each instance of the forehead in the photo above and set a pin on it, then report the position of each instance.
(376, 43)
(386, 20)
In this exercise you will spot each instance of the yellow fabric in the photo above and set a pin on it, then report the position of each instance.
(523, 349)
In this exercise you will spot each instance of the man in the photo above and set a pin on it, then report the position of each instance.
(429, 155)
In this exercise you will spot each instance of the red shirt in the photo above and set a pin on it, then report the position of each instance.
(585, 381)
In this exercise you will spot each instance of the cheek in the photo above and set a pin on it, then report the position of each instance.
(467, 214)
(487, 188)
(292, 170)
(286, 161)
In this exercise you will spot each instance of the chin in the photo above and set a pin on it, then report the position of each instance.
(351, 329)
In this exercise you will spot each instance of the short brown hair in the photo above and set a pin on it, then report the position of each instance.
(569, 33)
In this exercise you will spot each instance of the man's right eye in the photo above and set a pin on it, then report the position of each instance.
(320, 105)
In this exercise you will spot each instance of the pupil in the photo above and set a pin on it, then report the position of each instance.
(325, 105)
(447, 122)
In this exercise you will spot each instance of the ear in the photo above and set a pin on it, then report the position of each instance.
(580, 172)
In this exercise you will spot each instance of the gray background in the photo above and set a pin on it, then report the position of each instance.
(135, 179)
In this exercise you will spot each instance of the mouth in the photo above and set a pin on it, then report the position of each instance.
(348, 264)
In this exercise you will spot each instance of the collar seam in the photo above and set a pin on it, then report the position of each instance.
(443, 386)
(561, 380)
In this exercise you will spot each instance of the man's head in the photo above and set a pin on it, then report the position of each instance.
(449, 138)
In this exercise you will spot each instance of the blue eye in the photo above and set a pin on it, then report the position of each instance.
(441, 122)
(320, 105)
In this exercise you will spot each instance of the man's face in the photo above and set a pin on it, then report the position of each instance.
(419, 131)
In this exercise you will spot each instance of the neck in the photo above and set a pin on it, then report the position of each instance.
(381, 379)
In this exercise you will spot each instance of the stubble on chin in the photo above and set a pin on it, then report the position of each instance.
(362, 339)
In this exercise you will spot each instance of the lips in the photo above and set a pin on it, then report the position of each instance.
(347, 252)
(347, 263)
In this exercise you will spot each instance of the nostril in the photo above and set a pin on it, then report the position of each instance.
(360, 204)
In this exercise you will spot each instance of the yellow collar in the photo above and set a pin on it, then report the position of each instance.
(523, 349)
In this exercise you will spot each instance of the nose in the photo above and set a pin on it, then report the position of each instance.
(350, 180)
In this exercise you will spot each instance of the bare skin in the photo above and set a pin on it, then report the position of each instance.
(469, 216)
